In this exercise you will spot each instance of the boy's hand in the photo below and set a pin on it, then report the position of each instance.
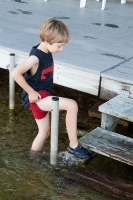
(34, 97)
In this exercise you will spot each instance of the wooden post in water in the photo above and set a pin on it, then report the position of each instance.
(54, 130)
(11, 81)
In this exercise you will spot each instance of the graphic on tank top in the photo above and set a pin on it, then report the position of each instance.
(48, 70)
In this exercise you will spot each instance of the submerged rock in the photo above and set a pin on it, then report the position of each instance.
(65, 158)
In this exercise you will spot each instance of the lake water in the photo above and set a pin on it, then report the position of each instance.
(23, 179)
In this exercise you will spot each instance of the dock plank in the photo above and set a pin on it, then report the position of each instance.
(119, 106)
(64, 74)
(116, 79)
(76, 78)
(93, 112)
(110, 144)
(96, 45)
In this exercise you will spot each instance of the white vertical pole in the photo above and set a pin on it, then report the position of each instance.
(11, 82)
(82, 3)
(103, 4)
(54, 130)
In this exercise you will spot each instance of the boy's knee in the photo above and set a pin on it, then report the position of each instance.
(73, 106)
(45, 130)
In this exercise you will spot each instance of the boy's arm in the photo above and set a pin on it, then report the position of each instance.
(18, 77)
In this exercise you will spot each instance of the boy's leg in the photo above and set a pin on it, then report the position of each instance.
(71, 116)
(71, 123)
(43, 133)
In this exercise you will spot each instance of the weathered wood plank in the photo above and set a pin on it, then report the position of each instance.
(110, 88)
(76, 78)
(108, 184)
(110, 144)
(122, 72)
(93, 112)
(116, 79)
(4, 56)
(108, 122)
(64, 74)
(119, 106)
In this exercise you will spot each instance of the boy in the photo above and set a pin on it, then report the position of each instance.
(35, 76)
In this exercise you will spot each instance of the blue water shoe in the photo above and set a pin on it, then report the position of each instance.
(79, 151)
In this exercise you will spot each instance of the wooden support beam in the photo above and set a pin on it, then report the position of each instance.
(108, 122)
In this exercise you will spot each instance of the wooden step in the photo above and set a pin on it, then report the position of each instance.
(93, 112)
(110, 144)
(120, 106)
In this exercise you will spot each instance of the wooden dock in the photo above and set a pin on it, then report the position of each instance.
(98, 58)
(103, 140)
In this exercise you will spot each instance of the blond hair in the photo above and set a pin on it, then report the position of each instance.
(54, 31)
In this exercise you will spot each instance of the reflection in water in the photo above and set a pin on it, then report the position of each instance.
(11, 118)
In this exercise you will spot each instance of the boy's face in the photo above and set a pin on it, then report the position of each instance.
(55, 47)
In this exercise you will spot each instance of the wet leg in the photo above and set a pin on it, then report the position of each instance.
(70, 106)
(43, 133)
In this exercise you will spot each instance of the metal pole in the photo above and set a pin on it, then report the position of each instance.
(54, 130)
(11, 82)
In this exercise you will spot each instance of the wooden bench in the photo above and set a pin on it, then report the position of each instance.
(109, 144)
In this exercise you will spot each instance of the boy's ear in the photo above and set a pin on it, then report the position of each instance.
(47, 42)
